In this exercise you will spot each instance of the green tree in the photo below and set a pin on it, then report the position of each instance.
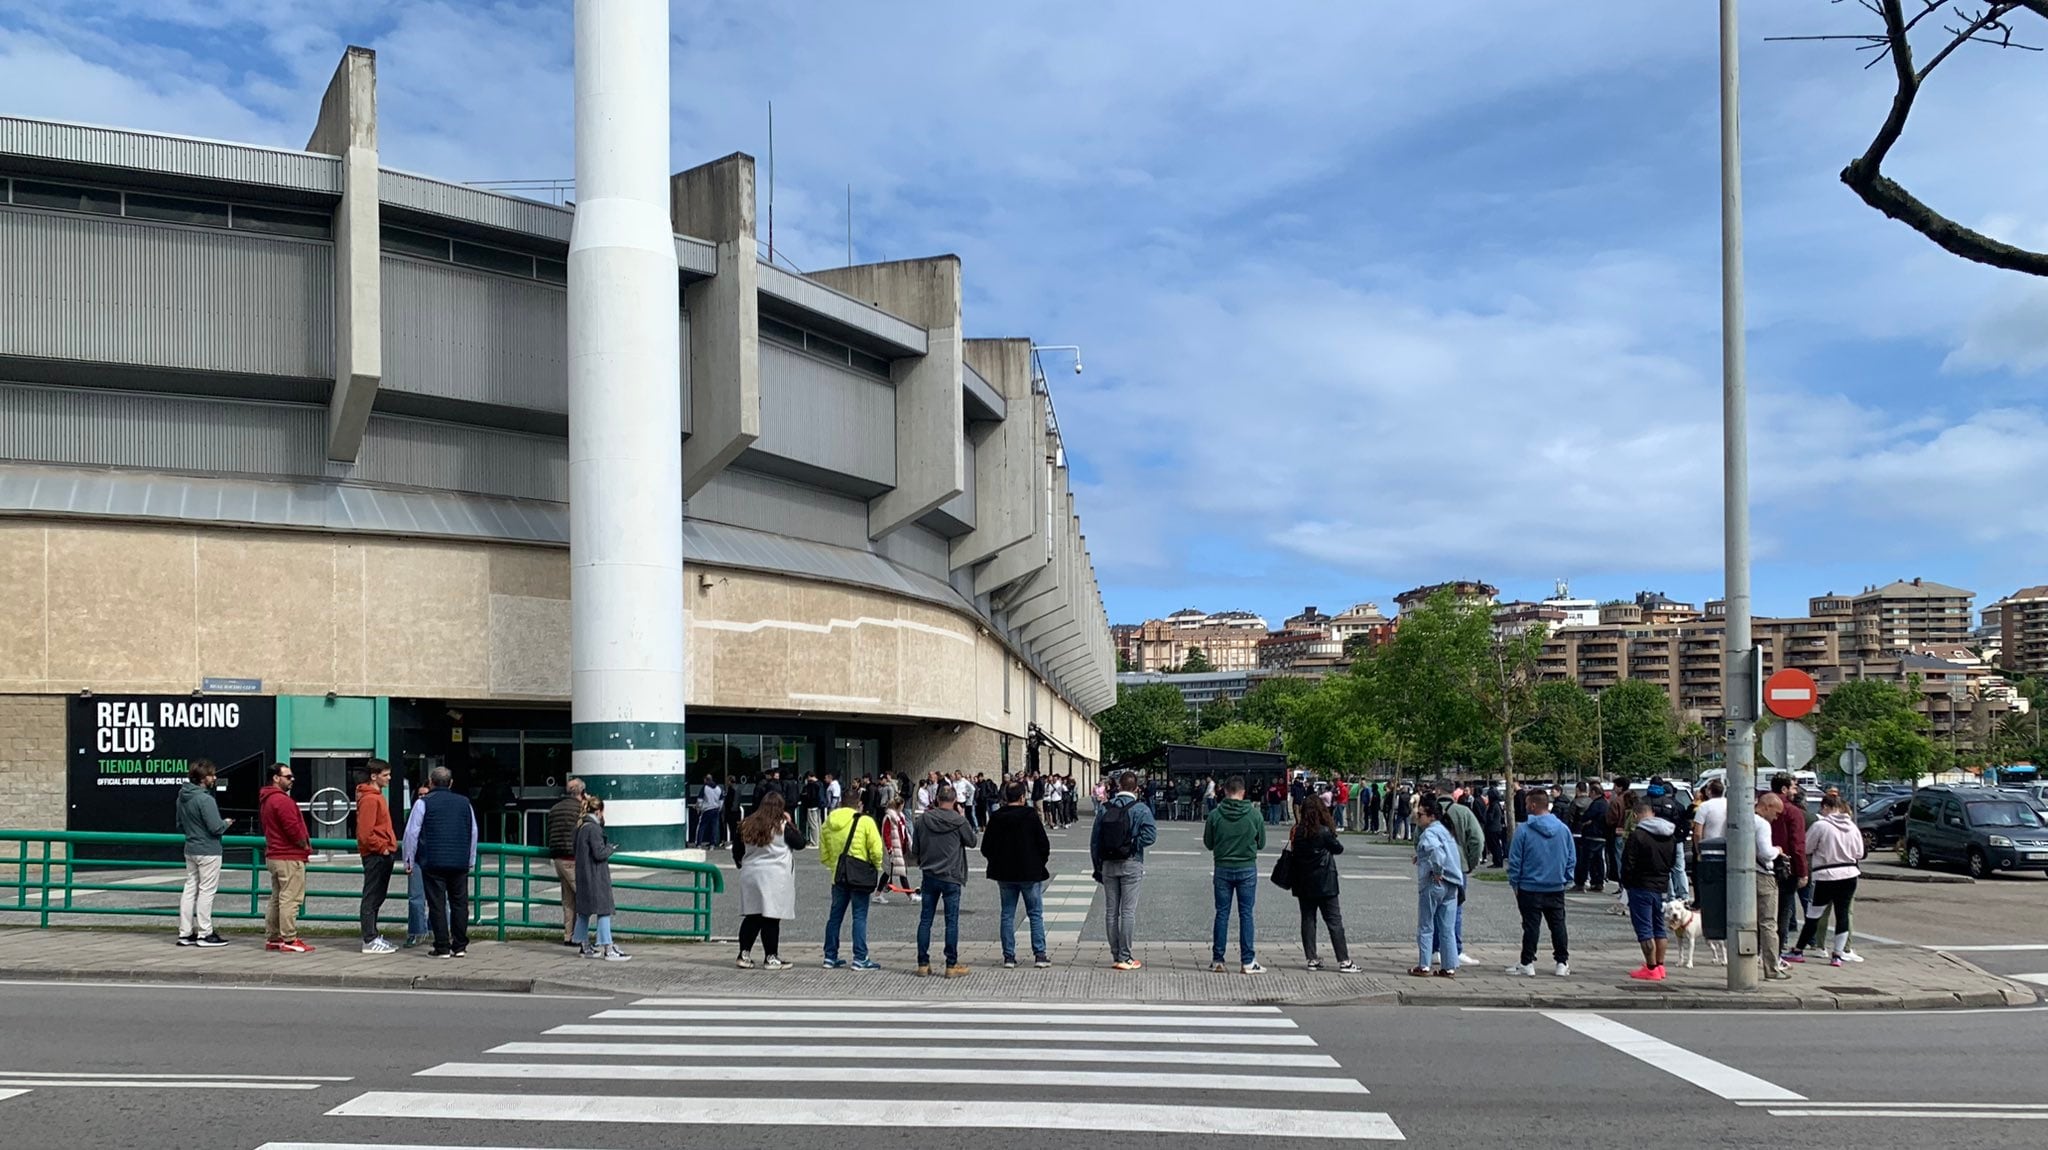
(1332, 727)
(1504, 685)
(1881, 717)
(1238, 736)
(1273, 701)
(1641, 737)
(1565, 738)
(1421, 683)
(1123, 662)
(1142, 719)
(1196, 662)
(1218, 712)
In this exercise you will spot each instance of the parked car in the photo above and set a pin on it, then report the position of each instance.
(1977, 828)
(1883, 821)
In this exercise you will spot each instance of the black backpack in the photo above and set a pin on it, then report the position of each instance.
(1116, 838)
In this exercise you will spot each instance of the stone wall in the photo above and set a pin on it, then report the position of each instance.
(32, 762)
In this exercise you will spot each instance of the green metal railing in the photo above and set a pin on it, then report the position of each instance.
(48, 872)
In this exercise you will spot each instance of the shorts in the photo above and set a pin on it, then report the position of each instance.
(1646, 913)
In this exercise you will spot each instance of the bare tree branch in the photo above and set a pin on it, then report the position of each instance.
(1865, 176)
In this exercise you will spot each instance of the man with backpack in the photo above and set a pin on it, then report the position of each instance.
(1124, 827)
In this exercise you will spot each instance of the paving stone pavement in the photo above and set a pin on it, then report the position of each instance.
(1893, 977)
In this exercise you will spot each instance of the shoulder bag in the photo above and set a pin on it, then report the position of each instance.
(852, 871)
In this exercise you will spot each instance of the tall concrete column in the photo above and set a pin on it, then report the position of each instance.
(348, 128)
(626, 432)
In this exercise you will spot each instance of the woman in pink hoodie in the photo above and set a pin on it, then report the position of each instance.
(1834, 845)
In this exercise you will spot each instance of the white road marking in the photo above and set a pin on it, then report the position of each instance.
(1014, 1034)
(1066, 916)
(6, 1094)
(1703, 1072)
(178, 1077)
(1122, 1054)
(127, 1084)
(1944, 1115)
(1260, 1022)
(2036, 979)
(862, 1072)
(1890, 1105)
(973, 1114)
(1866, 936)
(949, 1007)
(1986, 949)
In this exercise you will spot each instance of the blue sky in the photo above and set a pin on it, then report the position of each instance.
(1371, 295)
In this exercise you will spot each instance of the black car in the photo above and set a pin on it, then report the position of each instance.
(1883, 821)
(1984, 830)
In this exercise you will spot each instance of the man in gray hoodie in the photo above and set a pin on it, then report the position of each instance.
(200, 822)
(943, 837)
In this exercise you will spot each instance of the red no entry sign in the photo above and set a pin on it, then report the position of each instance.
(1791, 694)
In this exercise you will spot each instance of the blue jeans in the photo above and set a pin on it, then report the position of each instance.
(1436, 925)
(842, 897)
(707, 828)
(934, 890)
(1033, 894)
(415, 903)
(1458, 922)
(584, 924)
(1243, 884)
(1679, 888)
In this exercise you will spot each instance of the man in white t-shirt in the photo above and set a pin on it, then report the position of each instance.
(710, 807)
(1770, 940)
(1712, 817)
(832, 793)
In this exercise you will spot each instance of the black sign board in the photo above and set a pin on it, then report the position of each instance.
(129, 754)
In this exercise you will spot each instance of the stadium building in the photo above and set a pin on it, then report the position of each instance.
(283, 474)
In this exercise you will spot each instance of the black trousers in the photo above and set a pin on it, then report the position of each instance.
(768, 930)
(1592, 864)
(448, 907)
(1333, 917)
(1538, 908)
(376, 885)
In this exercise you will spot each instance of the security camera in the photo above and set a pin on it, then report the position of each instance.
(1077, 365)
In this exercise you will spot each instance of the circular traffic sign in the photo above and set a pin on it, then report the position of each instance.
(1791, 694)
(1853, 761)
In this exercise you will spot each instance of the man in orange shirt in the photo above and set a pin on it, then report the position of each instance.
(377, 843)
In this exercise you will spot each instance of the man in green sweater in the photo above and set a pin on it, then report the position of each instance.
(1235, 833)
(1464, 827)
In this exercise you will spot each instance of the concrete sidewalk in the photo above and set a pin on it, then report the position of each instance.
(1893, 977)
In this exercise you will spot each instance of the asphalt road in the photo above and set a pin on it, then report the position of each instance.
(243, 1069)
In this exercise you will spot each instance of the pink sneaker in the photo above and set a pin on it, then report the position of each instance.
(1643, 974)
(1656, 974)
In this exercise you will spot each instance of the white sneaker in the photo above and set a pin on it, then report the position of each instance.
(1851, 956)
(1253, 968)
(773, 963)
(1564, 970)
(1465, 959)
(614, 954)
(1523, 970)
(881, 899)
(379, 946)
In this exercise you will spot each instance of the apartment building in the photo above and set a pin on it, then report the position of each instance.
(1229, 640)
(1893, 618)
(2023, 630)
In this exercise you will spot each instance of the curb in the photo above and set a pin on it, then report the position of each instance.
(199, 977)
(1919, 876)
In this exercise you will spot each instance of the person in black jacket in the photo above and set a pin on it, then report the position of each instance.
(1314, 845)
(1646, 863)
(1593, 832)
(1017, 850)
(563, 819)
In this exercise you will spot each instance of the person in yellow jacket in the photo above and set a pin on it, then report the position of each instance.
(851, 832)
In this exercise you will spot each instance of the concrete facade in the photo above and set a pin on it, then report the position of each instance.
(348, 128)
(723, 416)
(31, 761)
(237, 488)
(930, 407)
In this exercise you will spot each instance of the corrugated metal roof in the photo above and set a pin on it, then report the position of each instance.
(170, 155)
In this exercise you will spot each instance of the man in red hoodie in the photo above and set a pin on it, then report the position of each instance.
(377, 843)
(1788, 834)
(286, 847)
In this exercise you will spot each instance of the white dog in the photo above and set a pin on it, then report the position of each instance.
(1685, 926)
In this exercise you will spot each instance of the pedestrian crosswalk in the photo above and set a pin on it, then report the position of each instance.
(1068, 898)
(1212, 1071)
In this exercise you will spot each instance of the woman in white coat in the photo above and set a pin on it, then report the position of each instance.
(764, 851)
